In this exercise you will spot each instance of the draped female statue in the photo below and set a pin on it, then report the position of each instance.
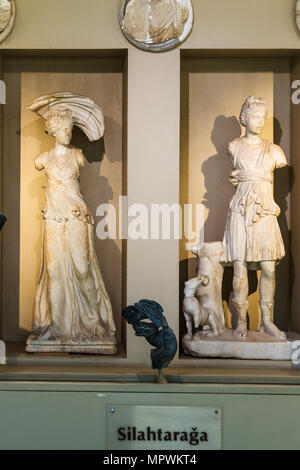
(72, 308)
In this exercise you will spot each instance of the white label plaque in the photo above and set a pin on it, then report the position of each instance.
(163, 428)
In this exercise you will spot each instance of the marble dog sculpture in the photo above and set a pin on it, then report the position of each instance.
(203, 294)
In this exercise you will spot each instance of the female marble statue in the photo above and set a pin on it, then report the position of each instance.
(252, 236)
(7, 18)
(71, 305)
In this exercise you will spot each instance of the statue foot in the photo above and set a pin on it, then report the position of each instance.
(272, 330)
(188, 336)
(241, 330)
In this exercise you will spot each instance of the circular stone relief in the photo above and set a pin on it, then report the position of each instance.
(156, 25)
(7, 18)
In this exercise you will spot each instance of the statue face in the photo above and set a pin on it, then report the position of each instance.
(256, 120)
(63, 134)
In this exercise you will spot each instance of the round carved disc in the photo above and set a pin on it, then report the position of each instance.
(7, 18)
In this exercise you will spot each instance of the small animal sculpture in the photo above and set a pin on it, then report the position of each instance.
(157, 333)
(3, 219)
(195, 313)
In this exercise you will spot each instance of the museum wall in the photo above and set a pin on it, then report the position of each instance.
(153, 118)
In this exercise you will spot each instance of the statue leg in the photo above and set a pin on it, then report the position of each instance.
(267, 293)
(240, 297)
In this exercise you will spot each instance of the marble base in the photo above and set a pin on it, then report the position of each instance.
(102, 346)
(256, 346)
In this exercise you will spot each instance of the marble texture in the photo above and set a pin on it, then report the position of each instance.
(7, 18)
(252, 238)
(156, 25)
(72, 309)
(86, 114)
(257, 345)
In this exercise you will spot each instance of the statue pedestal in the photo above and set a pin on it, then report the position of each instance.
(101, 346)
(256, 346)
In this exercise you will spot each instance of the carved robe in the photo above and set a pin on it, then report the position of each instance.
(71, 299)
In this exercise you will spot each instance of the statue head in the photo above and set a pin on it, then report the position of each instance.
(253, 114)
(59, 124)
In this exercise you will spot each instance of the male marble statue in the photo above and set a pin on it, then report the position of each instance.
(252, 238)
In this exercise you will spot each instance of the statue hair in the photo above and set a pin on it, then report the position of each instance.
(56, 118)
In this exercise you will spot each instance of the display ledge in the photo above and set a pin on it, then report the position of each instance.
(22, 366)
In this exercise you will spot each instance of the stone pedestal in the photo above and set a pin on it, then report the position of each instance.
(256, 346)
(101, 346)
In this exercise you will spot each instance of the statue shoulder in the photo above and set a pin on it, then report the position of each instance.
(279, 156)
(41, 161)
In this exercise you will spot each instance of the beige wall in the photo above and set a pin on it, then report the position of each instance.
(153, 107)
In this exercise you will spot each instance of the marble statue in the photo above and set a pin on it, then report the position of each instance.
(7, 18)
(210, 257)
(72, 310)
(156, 331)
(156, 24)
(195, 313)
(252, 238)
(252, 241)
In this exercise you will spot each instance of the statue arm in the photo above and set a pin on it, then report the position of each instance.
(279, 157)
(80, 158)
(40, 161)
